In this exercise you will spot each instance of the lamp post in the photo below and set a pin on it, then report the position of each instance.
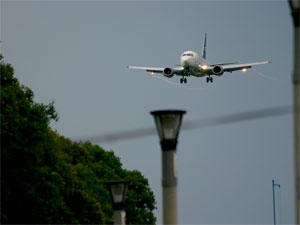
(274, 208)
(168, 123)
(117, 191)
(295, 8)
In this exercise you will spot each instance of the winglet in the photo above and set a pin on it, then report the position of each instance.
(204, 48)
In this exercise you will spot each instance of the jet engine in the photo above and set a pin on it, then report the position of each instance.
(217, 70)
(168, 72)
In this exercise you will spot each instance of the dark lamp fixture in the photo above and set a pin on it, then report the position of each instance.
(295, 9)
(168, 123)
(294, 4)
(117, 191)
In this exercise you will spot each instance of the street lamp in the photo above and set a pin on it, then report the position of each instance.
(168, 123)
(295, 6)
(117, 189)
(274, 208)
(295, 9)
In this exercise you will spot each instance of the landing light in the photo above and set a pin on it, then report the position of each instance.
(204, 67)
(244, 69)
(152, 73)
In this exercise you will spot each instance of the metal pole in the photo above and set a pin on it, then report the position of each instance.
(119, 217)
(294, 5)
(274, 211)
(169, 182)
(274, 208)
(297, 121)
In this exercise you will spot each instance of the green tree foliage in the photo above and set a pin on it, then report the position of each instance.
(47, 178)
(139, 200)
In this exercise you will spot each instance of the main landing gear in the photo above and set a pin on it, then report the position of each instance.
(209, 79)
(183, 80)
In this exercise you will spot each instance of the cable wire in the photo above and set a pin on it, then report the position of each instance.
(189, 125)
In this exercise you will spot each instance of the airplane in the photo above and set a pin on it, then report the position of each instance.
(191, 64)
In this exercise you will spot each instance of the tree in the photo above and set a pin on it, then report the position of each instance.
(140, 201)
(25, 146)
(90, 167)
(47, 178)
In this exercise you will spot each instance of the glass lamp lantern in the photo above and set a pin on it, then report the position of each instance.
(117, 191)
(168, 123)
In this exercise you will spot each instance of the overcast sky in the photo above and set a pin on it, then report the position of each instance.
(77, 52)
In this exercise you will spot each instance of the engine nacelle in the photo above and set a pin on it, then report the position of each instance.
(218, 70)
(168, 72)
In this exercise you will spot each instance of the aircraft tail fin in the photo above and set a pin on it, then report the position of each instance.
(204, 48)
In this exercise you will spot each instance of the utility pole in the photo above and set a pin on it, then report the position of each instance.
(295, 8)
(274, 208)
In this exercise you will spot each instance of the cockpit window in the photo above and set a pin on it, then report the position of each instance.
(188, 54)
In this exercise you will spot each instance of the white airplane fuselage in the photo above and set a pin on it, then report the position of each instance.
(194, 63)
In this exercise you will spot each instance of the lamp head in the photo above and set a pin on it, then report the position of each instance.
(295, 9)
(168, 123)
(117, 189)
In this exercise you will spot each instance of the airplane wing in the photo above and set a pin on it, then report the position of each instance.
(148, 69)
(235, 67)
(222, 64)
(177, 70)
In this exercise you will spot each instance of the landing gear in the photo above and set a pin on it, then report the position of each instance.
(183, 80)
(209, 79)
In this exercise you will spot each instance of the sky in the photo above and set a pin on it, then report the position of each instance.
(76, 53)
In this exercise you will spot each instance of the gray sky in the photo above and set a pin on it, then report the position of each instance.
(76, 53)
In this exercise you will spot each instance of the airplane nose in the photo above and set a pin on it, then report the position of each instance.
(183, 61)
